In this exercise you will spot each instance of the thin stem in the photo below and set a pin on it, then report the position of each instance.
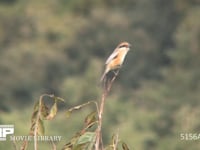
(106, 90)
(36, 123)
(37, 120)
(116, 140)
(53, 145)
(111, 82)
(14, 145)
(98, 138)
(24, 145)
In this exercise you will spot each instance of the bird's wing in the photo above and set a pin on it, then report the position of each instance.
(112, 56)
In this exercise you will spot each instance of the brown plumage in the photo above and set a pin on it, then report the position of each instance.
(116, 59)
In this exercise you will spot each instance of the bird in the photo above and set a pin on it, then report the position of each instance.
(116, 59)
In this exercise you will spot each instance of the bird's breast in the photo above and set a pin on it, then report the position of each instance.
(122, 55)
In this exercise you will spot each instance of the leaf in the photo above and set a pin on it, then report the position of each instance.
(44, 110)
(50, 113)
(71, 144)
(36, 106)
(90, 119)
(92, 143)
(86, 138)
(68, 113)
(38, 126)
(53, 112)
(58, 99)
(80, 147)
(34, 118)
(124, 146)
(78, 107)
(40, 129)
(115, 139)
(85, 141)
(67, 146)
(35, 112)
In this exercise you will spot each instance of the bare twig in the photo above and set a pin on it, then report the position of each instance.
(38, 118)
(53, 145)
(116, 140)
(14, 145)
(24, 145)
(106, 88)
(36, 123)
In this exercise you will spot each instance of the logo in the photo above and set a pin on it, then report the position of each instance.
(9, 129)
(6, 130)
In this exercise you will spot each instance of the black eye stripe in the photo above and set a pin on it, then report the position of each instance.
(123, 46)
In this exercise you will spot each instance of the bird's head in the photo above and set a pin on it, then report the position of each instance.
(124, 45)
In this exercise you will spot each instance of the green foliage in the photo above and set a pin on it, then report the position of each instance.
(83, 139)
(40, 113)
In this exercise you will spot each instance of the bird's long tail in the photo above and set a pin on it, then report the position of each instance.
(104, 75)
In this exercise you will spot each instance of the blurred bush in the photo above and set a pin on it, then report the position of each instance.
(60, 47)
